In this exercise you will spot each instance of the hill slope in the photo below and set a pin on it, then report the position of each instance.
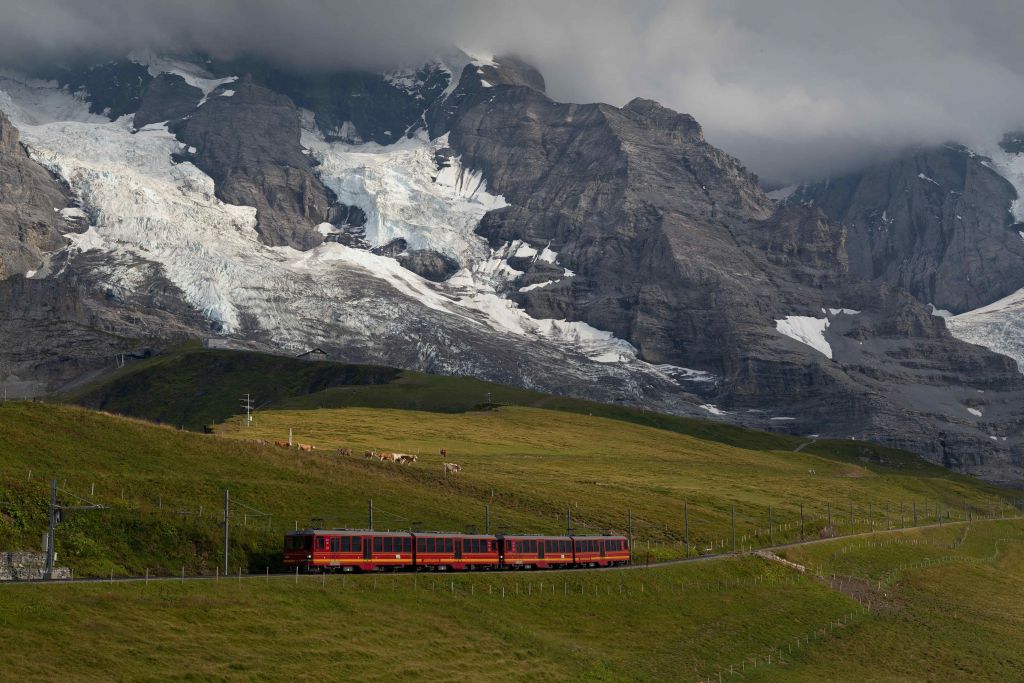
(527, 465)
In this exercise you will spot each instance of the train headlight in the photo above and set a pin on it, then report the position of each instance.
(309, 557)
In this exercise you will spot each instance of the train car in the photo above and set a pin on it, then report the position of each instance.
(536, 552)
(320, 550)
(445, 551)
(600, 551)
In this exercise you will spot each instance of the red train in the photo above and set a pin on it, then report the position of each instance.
(319, 550)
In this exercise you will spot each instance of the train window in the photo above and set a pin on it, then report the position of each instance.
(346, 544)
(320, 543)
(421, 545)
(407, 545)
(430, 545)
(448, 545)
(357, 544)
(378, 544)
(387, 545)
(334, 545)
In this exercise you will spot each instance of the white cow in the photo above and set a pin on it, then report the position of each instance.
(452, 468)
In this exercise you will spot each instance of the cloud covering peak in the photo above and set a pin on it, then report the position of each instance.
(795, 88)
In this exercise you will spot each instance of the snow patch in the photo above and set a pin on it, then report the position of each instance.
(73, 213)
(539, 285)
(806, 330)
(89, 240)
(714, 410)
(842, 311)
(975, 412)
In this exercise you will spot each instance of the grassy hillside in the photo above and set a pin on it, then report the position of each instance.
(949, 614)
(193, 387)
(527, 465)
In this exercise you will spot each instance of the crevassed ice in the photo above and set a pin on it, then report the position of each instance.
(144, 206)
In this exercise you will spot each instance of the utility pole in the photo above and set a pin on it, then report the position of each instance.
(247, 404)
(686, 526)
(52, 529)
(568, 520)
(771, 529)
(487, 518)
(629, 523)
(734, 528)
(371, 514)
(227, 503)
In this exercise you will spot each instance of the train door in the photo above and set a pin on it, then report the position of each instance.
(540, 549)
(601, 543)
(367, 548)
(458, 548)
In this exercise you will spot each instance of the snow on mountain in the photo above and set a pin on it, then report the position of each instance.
(193, 74)
(806, 330)
(143, 206)
(999, 325)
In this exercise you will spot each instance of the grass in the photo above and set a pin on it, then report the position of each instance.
(193, 387)
(527, 465)
(947, 621)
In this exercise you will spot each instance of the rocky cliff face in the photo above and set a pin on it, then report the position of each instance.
(247, 139)
(30, 204)
(935, 222)
(167, 98)
(669, 243)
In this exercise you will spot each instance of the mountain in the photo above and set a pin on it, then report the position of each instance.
(453, 218)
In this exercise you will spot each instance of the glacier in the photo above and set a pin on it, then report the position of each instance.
(144, 207)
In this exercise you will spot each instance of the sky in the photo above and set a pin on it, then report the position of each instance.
(797, 89)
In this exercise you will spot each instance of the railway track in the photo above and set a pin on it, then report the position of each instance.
(632, 567)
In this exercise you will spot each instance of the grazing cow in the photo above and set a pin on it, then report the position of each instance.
(811, 472)
(281, 444)
(344, 452)
(386, 457)
(307, 447)
(444, 452)
(369, 454)
(404, 458)
(452, 468)
(261, 442)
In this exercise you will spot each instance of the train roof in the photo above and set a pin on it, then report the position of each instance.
(353, 532)
(532, 536)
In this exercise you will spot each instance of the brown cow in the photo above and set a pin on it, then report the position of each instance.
(386, 457)
(281, 444)
(369, 454)
(306, 447)
(444, 452)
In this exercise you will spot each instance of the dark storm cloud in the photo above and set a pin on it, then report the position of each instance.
(794, 88)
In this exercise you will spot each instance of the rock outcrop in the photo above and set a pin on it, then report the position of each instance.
(167, 98)
(30, 204)
(935, 222)
(246, 138)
